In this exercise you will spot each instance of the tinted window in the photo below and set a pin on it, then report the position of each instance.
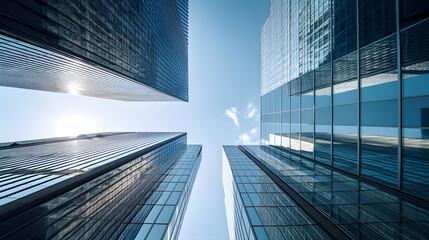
(345, 114)
(382, 113)
(416, 112)
(323, 115)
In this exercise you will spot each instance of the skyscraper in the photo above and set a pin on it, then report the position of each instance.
(97, 186)
(125, 50)
(343, 125)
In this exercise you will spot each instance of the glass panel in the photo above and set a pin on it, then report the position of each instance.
(378, 68)
(294, 135)
(307, 146)
(416, 161)
(382, 113)
(285, 98)
(294, 100)
(345, 92)
(323, 97)
(415, 112)
(377, 20)
(345, 148)
(379, 154)
(344, 27)
(278, 99)
(272, 96)
(323, 143)
(285, 136)
(307, 100)
(294, 117)
(345, 114)
(285, 117)
(415, 60)
(323, 115)
(307, 116)
(412, 11)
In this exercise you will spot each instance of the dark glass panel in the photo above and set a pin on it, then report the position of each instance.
(344, 27)
(415, 60)
(415, 112)
(345, 148)
(377, 20)
(323, 97)
(307, 81)
(323, 115)
(345, 68)
(285, 98)
(295, 87)
(379, 154)
(345, 92)
(294, 135)
(381, 113)
(416, 161)
(378, 69)
(294, 117)
(323, 76)
(278, 99)
(345, 114)
(285, 117)
(307, 116)
(307, 146)
(413, 11)
(307, 100)
(323, 144)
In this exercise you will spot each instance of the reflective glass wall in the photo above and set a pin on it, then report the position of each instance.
(358, 97)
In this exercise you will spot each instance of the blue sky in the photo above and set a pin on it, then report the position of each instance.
(223, 108)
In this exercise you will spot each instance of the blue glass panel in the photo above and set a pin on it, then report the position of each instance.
(295, 102)
(415, 86)
(272, 96)
(294, 135)
(278, 99)
(307, 100)
(323, 115)
(307, 146)
(377, 89)
(323, 143)
(294, 117)
(382, 113)
(379, 158)
(285, 117)
(307, 116)
(323, 97)
(415, 112)
(345, 114)
(345, 92)
(345, 148)
(416, 161)
(285, 98)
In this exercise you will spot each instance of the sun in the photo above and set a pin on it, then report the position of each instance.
(75, 125)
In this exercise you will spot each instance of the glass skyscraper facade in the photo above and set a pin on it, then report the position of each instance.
(346, 83)
(274, 194)
(125, 50)
(344, 148)
(97, 186)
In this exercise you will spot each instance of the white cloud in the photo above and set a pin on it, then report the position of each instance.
(251, 110)
(246, 140)
(253, 130)
(232, 113)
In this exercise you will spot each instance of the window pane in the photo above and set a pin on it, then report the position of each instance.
(323, 143)
(415, 60)
(377, 20)
(379, 158)
(278, 99)
(345, 92)
(345, 114)
(412, 12)
(345, 148)
(323, 97)
(294, 100)
(382, 113)
(307, 100)
(378, 69)
(344, 27)
(307, 116)
(323, 115)
(285, 98)
(294, 135)
(415, 112)
(307, 146)
(285, 135)
(285, 117)
(416, 161)
(294, 117)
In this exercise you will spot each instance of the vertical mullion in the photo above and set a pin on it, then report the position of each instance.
(314, 115)
(332, 86)
(358, 170)
(398, 54)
